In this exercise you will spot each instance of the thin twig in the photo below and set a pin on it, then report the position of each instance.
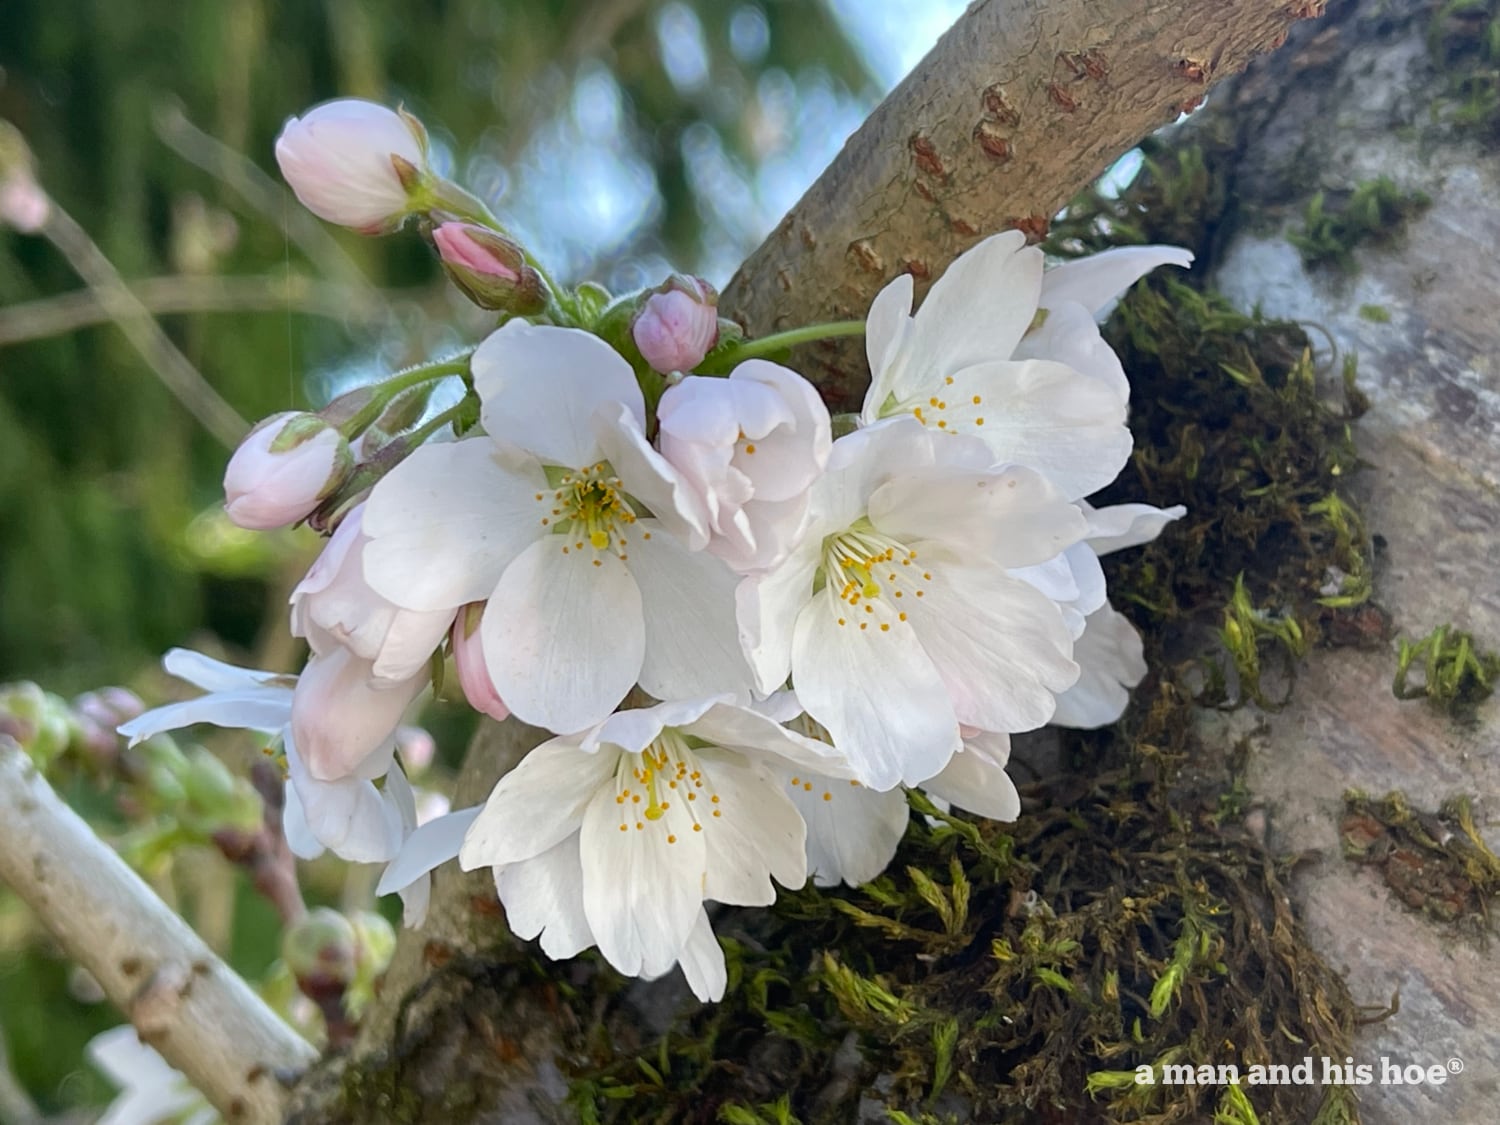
(172, 367)
(185, 1002)
(68, 312)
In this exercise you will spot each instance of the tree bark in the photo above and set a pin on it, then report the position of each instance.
(1018, 107)
(1020, 104)
(1365, 96)
(196, 1011)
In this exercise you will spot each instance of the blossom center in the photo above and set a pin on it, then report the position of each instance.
(865, 569)
(664, 788)
(588, 508)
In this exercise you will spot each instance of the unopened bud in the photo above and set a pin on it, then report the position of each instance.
(322, 951)
(468, 661)
(216, 799)
(39, 721)
(678, 324)
(354, 163)
(23, 203)
(490, 269)
(283, 470)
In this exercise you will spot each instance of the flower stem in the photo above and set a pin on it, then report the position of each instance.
(353, 413)
(779, 342)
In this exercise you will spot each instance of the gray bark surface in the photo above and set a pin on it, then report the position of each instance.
(1363, 97)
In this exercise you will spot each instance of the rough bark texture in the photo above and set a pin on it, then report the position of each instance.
(1020, 104)
(183, 999)
(1363, 96)
(1017, 108)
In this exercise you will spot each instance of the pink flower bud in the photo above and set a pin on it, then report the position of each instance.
(23, 204)
(677, 325)
(468, 660)
(489, 268)
(345, 161)
(280, 473)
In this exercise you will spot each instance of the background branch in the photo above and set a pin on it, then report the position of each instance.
(68, 312)
(173, 368)
(1020, 105)
(202, 1017)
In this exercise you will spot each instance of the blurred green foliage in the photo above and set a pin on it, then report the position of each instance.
(618, 135)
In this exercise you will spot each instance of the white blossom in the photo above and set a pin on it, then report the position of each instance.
(617, 836)
(955, 367)
(896, 616)
(749, 447)
(582, 541)
(348, 815)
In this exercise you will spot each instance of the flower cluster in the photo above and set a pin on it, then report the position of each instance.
(637, 532)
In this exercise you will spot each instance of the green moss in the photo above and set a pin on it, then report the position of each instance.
(1456, 673)
(1375, 314)
(1371, 211)
(1436, 863)
(1465, 43)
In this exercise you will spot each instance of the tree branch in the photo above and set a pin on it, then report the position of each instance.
(183, 1000)
(68, 312)
(173, 368)
(1019, 106)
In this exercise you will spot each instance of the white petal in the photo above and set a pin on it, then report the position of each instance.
(1009, 515)
(877, 692)
(1000, 645)
(757, 733)
(792, 433)
(688, 601)
(564, 635)
(1112, 661)
(540, 386)
(1095, 281)
(1127, 525)
(886, 327)
(537, 804)
(416, 896)
(702, 961)
(262, 709)
(430, 846)
(977, 311)
(348, 816)
(635, 728)
(446, 522)
(852, 830)
(214, 675)
(544, 896)
(646, 475)
(1068, 335)
(766, 609)
(294, 826)
(1041, 414)
(758, 836)
(340, 720)
(974, 782)
(641, 894)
